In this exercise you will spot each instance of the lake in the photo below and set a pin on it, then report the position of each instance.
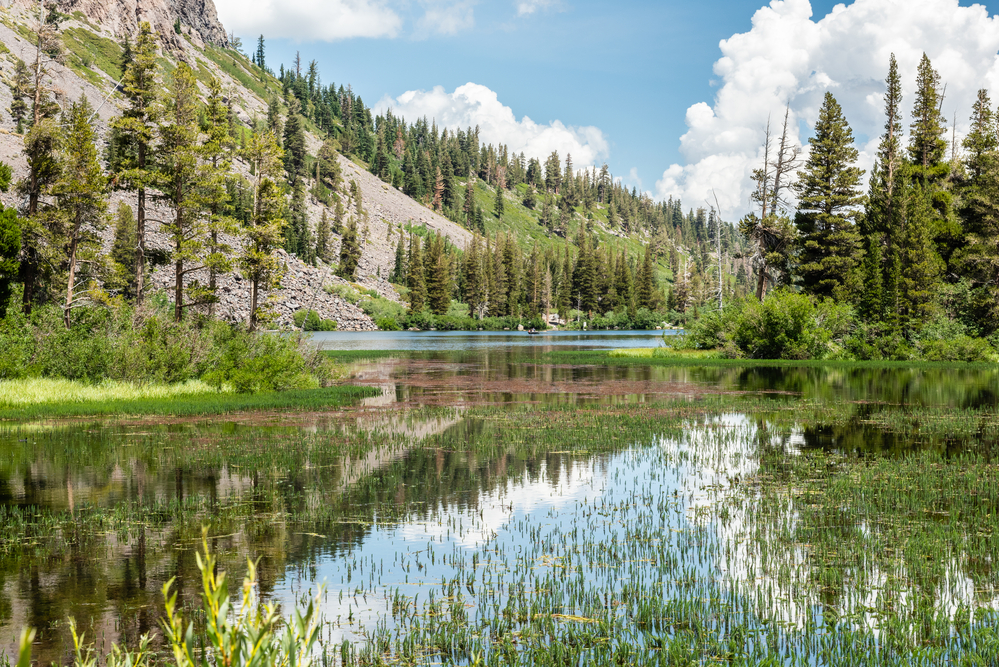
(497, 504)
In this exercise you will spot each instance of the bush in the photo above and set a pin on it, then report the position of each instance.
(387, 324)
(960, 348)
(310, 320)
(381, 308)
(345, 292)
(148, 346)
(786, 325)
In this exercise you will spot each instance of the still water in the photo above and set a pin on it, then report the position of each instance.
(426, 483)
(474, 341)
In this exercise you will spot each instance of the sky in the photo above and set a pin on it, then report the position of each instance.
(673, 96)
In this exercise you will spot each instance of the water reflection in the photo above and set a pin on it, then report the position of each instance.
(95, 517)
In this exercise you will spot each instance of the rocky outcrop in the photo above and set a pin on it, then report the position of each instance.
(122, 17)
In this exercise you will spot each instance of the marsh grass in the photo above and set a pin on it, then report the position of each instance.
(181, 403)
(721, 536)
(35, 391)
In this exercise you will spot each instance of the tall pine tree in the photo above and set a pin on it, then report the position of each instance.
(828, 196)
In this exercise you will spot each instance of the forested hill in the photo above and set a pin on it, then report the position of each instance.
(302, 198)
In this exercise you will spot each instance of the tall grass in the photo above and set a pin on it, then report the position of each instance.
(35, 391)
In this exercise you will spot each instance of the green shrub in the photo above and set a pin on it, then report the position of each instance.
(959, 348)
(786, 325)
(387, 324)
(345, 292)
(120, 344)
(310, 320)
(381, 308)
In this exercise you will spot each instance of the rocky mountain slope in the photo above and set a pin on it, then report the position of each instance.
(92, 31)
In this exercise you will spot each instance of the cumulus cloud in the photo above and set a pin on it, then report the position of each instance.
(304, 20)
(446, 18)
(528, 7)
(474, 105)
(787, 58)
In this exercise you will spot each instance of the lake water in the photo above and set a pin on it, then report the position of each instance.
(501, 501)
(470, 341)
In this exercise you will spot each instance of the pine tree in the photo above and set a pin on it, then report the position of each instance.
(133, 132)
(178, 179)
(884, 216)
(469, 205)
(10, 244)
(645, 283)
(20, 89)
(399, 270)
(416, 280)
(294, 141)
(499, 202)
(981, 141)
(123, 251)
(475, 286)
(438, 195)
(438, 277)
(263, 234)
(828, 196)
(922, 265)
(926, 144)
(215, 175)
(350, 251)
(80, 193)
(259, 55)
(324, 239)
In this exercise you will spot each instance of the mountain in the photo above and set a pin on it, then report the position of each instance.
(386, 181)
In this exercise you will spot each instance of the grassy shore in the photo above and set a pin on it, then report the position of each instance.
(51, 398)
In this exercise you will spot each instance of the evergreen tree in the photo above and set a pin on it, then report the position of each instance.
(416, 280)
(922, 265)
(828, 196)
(294, 142)
(499, 202)
(350, 251)
(20, 90)
(80, 193)
(645, 283)
(122, 276)
(885, 210)
(259, 55)
(438, 277)
(469, 206)
(926, 144)
(324, 250)
(981, 141)
(475, 286)
(399, 270)
(263, 234)
(214, 177)
(178, 178)
(133, 133)
(10, 244)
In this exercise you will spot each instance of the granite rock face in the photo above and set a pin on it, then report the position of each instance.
(198, 18)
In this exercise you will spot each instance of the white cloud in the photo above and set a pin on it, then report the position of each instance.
(528, 7)
(446, 18)
(304, 20)
(789, 58)
(473, 105)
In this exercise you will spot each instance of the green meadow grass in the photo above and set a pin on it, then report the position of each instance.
(180, 402)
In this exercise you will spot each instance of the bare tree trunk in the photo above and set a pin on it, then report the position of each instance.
(140, 233)
(178, 287)
(73, 244)
(253, 303)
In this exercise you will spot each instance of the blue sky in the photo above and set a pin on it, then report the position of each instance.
(632, 69)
